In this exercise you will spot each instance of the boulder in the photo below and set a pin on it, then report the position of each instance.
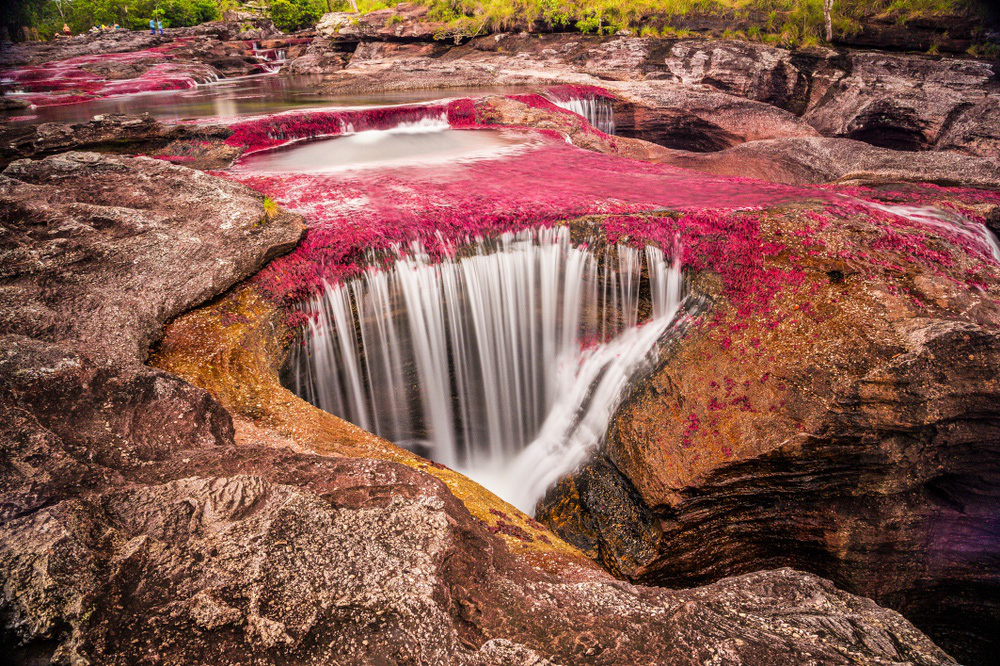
(100, 251)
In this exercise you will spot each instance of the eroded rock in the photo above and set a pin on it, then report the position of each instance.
(849, 429)
(134, 529)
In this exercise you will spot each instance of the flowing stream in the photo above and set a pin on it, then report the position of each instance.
(425, 142)
(947, 221)
(598, 111)
(505, 361)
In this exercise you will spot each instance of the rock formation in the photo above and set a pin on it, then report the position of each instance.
(202, 145)
(699, 94)
(825, 425)
(134, 529)
(850, 429)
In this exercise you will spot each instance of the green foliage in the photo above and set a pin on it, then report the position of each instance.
(790, 22)
(985, 50)
(80, 15)
(270, 208)
(292, 15)
(793, 23)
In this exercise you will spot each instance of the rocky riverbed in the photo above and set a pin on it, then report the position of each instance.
(809, 472)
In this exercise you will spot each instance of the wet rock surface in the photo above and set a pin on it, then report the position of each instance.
(116, 133)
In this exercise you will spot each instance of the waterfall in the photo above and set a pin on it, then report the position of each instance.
(505, 361)
(946, 220)
(269, 60)
(598, 111)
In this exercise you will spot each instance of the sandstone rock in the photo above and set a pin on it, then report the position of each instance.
(134, 530)
(671, 113)
(322, 56)
(112, 132)
(710, 95)
(755, 71)
(913, 103)
(849, 430)
(120, 41)
(85, 235)
(808, 160)
(698, 118)
(238, 554)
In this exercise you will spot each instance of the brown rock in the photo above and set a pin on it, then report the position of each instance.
(113, 133)
(912, 103)
(84, 234)
(808, 160)
(134, 530)
(850, 431)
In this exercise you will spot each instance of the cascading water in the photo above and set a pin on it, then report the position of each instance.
(946, 220)
(597, 110)
(269, 60)
(505, 363)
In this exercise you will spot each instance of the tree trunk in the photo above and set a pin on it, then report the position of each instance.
(827, 9)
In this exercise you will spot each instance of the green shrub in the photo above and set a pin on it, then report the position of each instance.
(292, 15)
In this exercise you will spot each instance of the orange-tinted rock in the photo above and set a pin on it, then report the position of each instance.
(849, 429)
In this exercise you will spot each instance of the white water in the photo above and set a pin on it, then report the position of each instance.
(269, 60)
(939, 218)
(429, 140)
(597, 110)
(478, 362)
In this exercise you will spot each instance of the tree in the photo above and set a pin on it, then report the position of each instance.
(292, 15)
(827, 9)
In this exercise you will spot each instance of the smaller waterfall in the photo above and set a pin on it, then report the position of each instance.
(269, 60)
(598, 111)
(505, 362)
(946, 220)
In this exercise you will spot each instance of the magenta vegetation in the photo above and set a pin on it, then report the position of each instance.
(80, 79)
(357, 218)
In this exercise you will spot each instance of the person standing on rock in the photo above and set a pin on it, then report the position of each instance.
(66, 30)
(159, 24)
(152, 26)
